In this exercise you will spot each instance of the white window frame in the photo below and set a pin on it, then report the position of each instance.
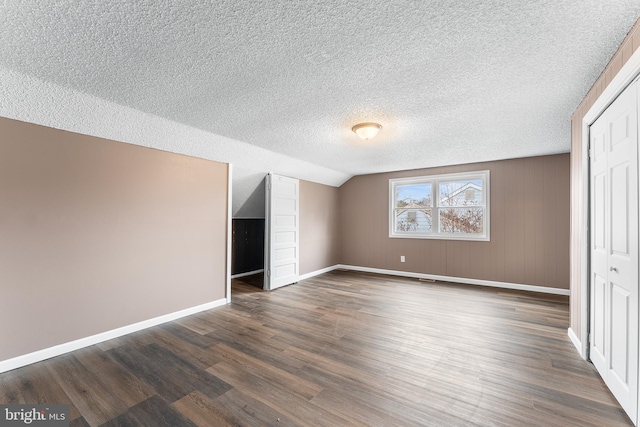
(435, 181)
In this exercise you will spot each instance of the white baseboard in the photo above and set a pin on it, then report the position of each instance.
(317, 272)
(47, 353)
(248, 273)
(516, 286)
(576, 342)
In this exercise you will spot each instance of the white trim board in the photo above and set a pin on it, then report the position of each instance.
(574, 339)
(505, 285)
(47, 353)
(317, 272)
(229, 231)
(248, 273)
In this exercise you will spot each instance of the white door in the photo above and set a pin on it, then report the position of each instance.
(613, 346)
(282, 231)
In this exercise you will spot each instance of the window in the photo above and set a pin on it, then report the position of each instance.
(452, 206)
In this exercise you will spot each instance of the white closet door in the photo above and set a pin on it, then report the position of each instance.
(282, 231)
(614, 248)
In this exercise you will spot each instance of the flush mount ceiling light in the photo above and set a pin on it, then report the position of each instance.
(366, 130)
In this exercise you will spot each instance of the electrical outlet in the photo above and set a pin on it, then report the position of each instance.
(401, 258)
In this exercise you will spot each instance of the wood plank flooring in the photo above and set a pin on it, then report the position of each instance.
(341, 349)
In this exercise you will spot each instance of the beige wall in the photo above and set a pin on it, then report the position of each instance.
(319, 227)
(578, 221)
(96, 234)
(529, 226)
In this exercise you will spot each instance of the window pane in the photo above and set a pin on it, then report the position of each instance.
(413, 220)
(462, 220)
(450, 206)
(413, 196)
(461, 193)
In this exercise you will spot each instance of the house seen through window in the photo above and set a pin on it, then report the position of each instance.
(452, 206)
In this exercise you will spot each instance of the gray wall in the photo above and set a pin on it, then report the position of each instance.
(529, 226)
(319, 227)
(96, 235)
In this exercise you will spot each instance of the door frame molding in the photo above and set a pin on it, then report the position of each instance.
(229, 231)
(266, 285)
(627, 74)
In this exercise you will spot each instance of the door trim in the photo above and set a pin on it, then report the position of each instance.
(229, 229)
(267, 227)
(627, 74)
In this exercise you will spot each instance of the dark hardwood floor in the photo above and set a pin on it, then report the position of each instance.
(341, 349)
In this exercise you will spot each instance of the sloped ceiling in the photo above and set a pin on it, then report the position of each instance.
(451, 82)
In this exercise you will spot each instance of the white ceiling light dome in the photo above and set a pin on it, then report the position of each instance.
(366, 130)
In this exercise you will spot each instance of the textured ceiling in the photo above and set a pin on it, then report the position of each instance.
(450, 81)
